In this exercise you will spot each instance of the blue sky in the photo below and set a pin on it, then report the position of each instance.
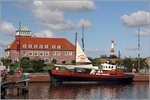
(103, 21)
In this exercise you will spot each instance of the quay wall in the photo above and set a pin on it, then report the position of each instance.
(46, 78)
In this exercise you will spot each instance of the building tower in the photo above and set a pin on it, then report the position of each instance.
(112, 47)
(23, 31)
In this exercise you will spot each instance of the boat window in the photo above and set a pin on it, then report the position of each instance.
(106, 66)
(109, 66)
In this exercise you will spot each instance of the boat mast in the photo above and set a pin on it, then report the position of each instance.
(138, 49)
(83, 38)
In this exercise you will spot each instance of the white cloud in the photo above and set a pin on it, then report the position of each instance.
(44, 33)
(139, 18)
(50, 14)
(7, 28)
(72, 5)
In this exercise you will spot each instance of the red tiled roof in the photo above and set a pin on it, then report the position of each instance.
(65, 44)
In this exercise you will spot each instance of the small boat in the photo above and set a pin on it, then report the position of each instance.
(86, 72)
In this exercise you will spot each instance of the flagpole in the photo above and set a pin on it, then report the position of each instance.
(19, 42)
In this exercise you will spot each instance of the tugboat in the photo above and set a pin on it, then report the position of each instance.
(105, 73)
(86, 72)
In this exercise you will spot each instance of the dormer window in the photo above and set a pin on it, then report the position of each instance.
(58, 47)
(35, 46)
(40, 46)
(30, 46)
(46, 46)
(24, 46)
(53, 46)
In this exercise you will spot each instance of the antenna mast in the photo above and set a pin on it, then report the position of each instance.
(83, 38)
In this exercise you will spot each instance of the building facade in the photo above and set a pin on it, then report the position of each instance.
(24, 45)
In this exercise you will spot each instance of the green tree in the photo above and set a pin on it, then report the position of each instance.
(54, 61)
(6, 62)
(25, 63)
(73, 61)
(112, 56)
(38, 65)
(128, 63)
(103, 56)
(63, 62)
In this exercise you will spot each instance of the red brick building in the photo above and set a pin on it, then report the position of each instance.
(40, 48)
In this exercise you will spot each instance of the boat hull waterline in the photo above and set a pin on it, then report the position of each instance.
(59, 76)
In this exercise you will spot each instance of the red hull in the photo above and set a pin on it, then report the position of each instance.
(71, 76)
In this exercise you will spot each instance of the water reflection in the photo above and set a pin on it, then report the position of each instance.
(135, 90)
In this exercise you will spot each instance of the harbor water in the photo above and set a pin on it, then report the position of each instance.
(134, 90)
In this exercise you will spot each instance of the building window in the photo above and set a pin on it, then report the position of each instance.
(40, 46)
(46, 53)
(30, 46)
(70, 53)
(35, 46)
(35, 53)
(46, 46)
(58, 47)
(53, 46)
(66, 53)
(41, 53)
(30, 53)
(54, 53)
(24, 46)
(58, 53)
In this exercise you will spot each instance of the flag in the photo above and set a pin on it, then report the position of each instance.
(18, 44)
(23, 78)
